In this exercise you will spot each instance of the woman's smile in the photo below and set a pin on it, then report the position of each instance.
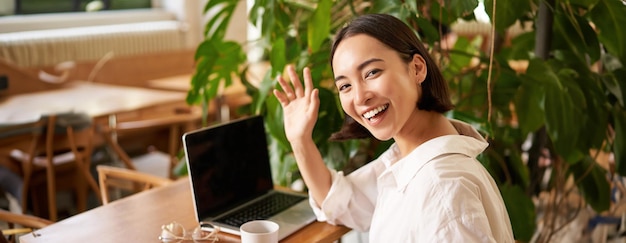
(375, 112)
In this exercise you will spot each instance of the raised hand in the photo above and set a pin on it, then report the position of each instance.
(300, 105)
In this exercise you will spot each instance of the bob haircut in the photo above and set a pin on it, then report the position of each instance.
(400, 37)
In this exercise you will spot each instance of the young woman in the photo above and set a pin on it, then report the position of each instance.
(428, 186)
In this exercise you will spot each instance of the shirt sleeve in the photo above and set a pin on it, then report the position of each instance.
(351, 199)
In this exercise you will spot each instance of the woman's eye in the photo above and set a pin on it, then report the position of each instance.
(343, 87)
(372, 73)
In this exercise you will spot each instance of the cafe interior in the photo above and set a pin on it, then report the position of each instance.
(90, 100)
(92, 110)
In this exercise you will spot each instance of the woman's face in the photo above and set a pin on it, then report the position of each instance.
(376, 87)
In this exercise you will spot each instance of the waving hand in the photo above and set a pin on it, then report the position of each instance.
(300, 104)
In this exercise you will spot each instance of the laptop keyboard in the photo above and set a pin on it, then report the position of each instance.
(262, 209)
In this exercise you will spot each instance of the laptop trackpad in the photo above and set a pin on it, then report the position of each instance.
(291, 220)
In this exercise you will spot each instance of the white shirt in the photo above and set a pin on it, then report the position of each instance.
(437, 193)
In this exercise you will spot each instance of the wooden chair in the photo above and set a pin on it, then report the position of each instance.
(59, 156)
(28, 222)
(176, 123)
(126, 181)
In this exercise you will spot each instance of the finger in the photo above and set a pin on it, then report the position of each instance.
(281, 97)
(295, 81)
(314, 101)
(288, 91)
(308, 81)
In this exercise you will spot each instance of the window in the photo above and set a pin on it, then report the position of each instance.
(60, 6)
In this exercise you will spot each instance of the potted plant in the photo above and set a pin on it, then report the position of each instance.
(567, 101)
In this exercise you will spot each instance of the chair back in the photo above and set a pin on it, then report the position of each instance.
(23, 137)
(124, 182)
(60, 144)
(28, 222)
(177, 123)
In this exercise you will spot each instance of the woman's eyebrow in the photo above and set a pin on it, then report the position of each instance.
(360, 67)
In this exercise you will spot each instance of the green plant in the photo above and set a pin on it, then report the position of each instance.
(568, 100)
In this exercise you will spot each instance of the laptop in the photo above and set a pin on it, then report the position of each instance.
(231, 179)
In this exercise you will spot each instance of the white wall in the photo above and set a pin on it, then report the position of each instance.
(18, 23)
(188, 12)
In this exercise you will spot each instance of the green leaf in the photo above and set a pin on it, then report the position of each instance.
(569, 78)
(507, 167)
(560, 112)
(519, 171)
(611, 81)
(620, 74)
(217, 61)
(587, 4)
(596, 111)
(539, 71)
(274, 122)
(619, 143)
(441, 14)
(506, 12)
(220, 12)
(521, 211)
(594, 185)
(458, 59)
(278, 59)
(529, 107)
(263, 92)
(318, 27)
(429, 32)
(206, 49)
(522, 46)
(461, 8)
(575, 34)
(329, 119)
(506, 86)
(609, 18)
(386, 6)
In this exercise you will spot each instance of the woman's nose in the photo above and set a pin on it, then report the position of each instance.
(362, 94)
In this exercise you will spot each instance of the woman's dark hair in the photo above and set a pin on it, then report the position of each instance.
(400, 37)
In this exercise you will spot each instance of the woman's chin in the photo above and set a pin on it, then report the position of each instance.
(381, 136)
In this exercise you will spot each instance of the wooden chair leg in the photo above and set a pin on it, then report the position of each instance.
(27, 170)
(52, 202)
(173, 149)
(119, 151)
(39, 202)
(50, 171)
(25, 189)
(80, 192)
(104, 192)
(84, 162)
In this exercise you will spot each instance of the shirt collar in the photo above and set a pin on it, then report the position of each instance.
(469, 142)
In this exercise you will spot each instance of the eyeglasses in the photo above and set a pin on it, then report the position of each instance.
(175, 232)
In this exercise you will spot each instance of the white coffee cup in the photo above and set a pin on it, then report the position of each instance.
(259, 231)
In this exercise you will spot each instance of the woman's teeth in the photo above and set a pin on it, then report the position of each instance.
(368, 115)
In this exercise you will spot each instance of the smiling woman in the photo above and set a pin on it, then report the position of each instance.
(429, 182)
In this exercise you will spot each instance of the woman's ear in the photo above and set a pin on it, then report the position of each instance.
(419, 65)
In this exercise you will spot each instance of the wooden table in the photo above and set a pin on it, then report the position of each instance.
(95, 99)
(138, 218)
(103, 102)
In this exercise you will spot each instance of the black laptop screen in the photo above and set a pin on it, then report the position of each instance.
(228, 165)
